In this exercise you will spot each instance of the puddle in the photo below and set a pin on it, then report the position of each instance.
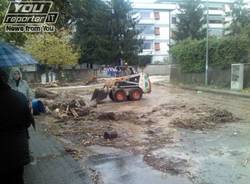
(218, 156)
(214, 157)
(121, 167)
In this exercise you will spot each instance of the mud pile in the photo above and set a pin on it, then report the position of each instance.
(173, 165)
(44, 93)
(204, 119)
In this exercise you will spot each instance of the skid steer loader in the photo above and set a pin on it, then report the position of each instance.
(120, 89)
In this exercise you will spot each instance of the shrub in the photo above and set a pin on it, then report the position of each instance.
(223, 52)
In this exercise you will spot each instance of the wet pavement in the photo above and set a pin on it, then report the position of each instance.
(217, 157)
(52, 165)
(214, 156)
(119, 167)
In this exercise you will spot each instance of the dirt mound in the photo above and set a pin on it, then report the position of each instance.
(221, 116)
(106, 116)
(207, 120)
(118, 116)
(172, 165)
(44, 93)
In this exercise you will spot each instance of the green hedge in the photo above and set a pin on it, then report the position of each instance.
(190, 54)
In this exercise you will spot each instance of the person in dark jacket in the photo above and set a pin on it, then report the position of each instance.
(15, 118)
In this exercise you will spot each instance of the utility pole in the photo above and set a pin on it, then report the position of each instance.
(206, 72)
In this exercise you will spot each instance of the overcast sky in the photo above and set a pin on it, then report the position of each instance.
(155, 0)
(143, 1)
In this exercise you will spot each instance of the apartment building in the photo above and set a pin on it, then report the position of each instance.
(218, 14)
(155, 25)
(158, 20)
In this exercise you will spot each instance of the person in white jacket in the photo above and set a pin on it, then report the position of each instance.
(17, 83)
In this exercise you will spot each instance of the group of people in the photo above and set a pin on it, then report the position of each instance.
(111, 71)
(15, 119)
(117, 71)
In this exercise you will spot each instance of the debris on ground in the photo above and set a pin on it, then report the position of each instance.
(173, 165)
(208, 119)
(66, 106)
(92, 80)
(95, 176)
(107, 116)
(75, 153)
(110, 135)
(137, 131)
(44, 93)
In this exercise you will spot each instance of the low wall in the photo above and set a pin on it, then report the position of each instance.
(246, 75)
(216, 76)
(70, 75)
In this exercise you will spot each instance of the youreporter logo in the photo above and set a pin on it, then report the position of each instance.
(26, 16)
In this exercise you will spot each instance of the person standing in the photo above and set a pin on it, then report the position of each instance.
(15, 119)
(17, 83)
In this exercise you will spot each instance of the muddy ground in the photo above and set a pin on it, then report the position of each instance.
(141, 127)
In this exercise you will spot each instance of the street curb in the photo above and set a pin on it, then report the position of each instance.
(216, 91)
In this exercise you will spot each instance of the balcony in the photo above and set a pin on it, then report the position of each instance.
(148, 36)
(215, 12)
(147, 21)
(147, 52)
(216, 26)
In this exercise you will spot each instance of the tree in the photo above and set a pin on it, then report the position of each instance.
(92, 30)
(125, 42)
(65, 15)
(64, 7)
(106, 31)
(51, 50)
(16, 38)
(246, 31)
(190, 21)
(240, 17)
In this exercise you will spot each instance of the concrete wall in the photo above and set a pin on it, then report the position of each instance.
(72, 75)
(216, 76)
(157, 69)
(187, 78)
(246, 75)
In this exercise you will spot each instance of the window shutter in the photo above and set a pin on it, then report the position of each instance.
(157, 47)
(157, 31)
(157, 15)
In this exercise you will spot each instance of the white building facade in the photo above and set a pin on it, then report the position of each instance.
(155, 25)
(157, 21)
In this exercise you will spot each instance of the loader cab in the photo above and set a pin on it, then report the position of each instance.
(125, 71)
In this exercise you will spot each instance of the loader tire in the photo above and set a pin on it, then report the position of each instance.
(120, 96)
(111, 95)
(135, 94)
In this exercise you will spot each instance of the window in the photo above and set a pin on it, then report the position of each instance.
(145, 14)
(215, 8)
(157, 15)
(216, 32)
(146, 29)
(157, 47)
(147, 45)
(157, 31)
(215, 21)
(216, 18)
(174, 20)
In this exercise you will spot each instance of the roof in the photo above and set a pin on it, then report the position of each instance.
(154, 6)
